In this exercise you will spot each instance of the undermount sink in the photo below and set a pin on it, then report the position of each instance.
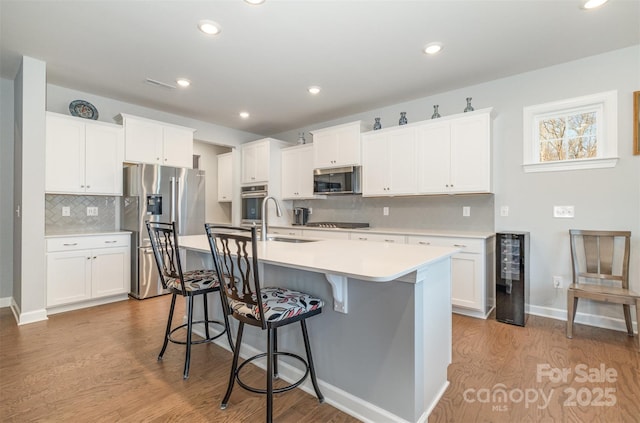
(293, 240)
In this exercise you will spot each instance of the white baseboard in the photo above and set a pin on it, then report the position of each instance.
(85, 304)
(29, 317)
(334, 396)
(5, 302)
(581, 318)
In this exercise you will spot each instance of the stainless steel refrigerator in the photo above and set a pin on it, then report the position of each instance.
(158, 194)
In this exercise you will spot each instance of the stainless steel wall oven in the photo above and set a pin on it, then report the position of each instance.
(252, 197)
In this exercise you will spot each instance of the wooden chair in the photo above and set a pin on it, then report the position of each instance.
(602, 259)
(235, 258)
(189, 284)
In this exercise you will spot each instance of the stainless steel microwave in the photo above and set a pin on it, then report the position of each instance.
(334, 181)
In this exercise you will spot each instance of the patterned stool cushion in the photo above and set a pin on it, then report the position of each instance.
(278, 304)
(195, 280)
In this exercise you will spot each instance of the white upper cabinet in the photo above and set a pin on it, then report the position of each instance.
(455, 154)
(153, 142)
(297, 172)
(255, 162)
(225, 177)
(389, 163)
(337, 146)
(447, 155)
(83, 156)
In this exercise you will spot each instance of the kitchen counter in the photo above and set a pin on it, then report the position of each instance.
(383, 349)
(399, 231)
(76, 233)
(374, 262)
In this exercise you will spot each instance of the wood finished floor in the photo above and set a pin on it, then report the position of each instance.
(99, 365)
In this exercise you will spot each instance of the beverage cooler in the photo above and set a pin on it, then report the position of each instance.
(512, 277)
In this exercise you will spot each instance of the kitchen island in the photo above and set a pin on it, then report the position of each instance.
(382, 343)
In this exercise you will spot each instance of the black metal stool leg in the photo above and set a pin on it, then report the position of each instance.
(206, 315)
(270, 362)
(166, 333)
(187, 358)
(225, 315)
(275, 355)
(312, 368)
(234, 367)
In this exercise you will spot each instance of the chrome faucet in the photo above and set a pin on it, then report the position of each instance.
(263, 230)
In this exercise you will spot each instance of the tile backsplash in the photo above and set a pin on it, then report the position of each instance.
(78, 221)
(440, 212)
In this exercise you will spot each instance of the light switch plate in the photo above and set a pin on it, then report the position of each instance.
(66, 211)
(564, 212)
(92, 211)
(385, 211)
(504, 211)
(466, 211)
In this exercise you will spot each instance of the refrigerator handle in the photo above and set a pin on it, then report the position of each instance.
(172, 210)
(179, 207)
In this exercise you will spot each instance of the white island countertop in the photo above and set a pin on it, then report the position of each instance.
(369, 261)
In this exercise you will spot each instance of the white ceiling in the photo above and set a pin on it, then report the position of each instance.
(364, 54)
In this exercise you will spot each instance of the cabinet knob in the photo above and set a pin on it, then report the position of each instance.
(94, 257)
(81, 186)
(424, 243)
(88, 258)
(157, 158)
(88, 186)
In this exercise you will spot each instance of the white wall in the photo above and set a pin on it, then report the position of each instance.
(58, 99)
(6, 191)
(215, 212)
(29, 245)
(603, 198)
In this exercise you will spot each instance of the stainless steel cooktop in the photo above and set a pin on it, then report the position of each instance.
(337, 225)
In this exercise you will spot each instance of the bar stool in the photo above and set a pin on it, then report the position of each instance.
(164, 241)
(236, 261)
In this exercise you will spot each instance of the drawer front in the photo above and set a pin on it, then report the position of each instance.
(285, 231)
(466, 245)
(364, 236)
(87, 242)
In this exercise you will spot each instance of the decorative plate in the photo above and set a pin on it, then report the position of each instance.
(83, 109)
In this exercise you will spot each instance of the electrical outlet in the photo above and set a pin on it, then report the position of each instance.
(567, 212)
(466, 211)
(66, 211)
(557, 282)
(385, 211)
(504, 211)
(92, 211)
(310, 210)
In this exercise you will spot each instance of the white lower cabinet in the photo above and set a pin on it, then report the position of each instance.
(325, 234)
(83, 269)
(367, 236)
(471, 273)
(285, 231)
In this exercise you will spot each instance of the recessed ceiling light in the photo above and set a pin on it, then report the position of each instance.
(592, 4)
(314, 89)
(209, 27)
(432, 48)
(244, 115)
(183, 82)
(255, 2)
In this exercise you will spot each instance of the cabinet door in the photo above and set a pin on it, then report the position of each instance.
(305, 172)
(320, 234)
(290, 180)
(103, 157)
(375, 164)
(297, 172)
(467, 281)
(225, 177)
(471, 155)
(255, 163)
(337, 147)
(434, 157)
(177, 147)
(68, 277)
(143, 141)
(109, 271)
(401, 160)
(64, 155)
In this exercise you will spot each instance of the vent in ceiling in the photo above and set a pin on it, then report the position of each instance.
(159, 83)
